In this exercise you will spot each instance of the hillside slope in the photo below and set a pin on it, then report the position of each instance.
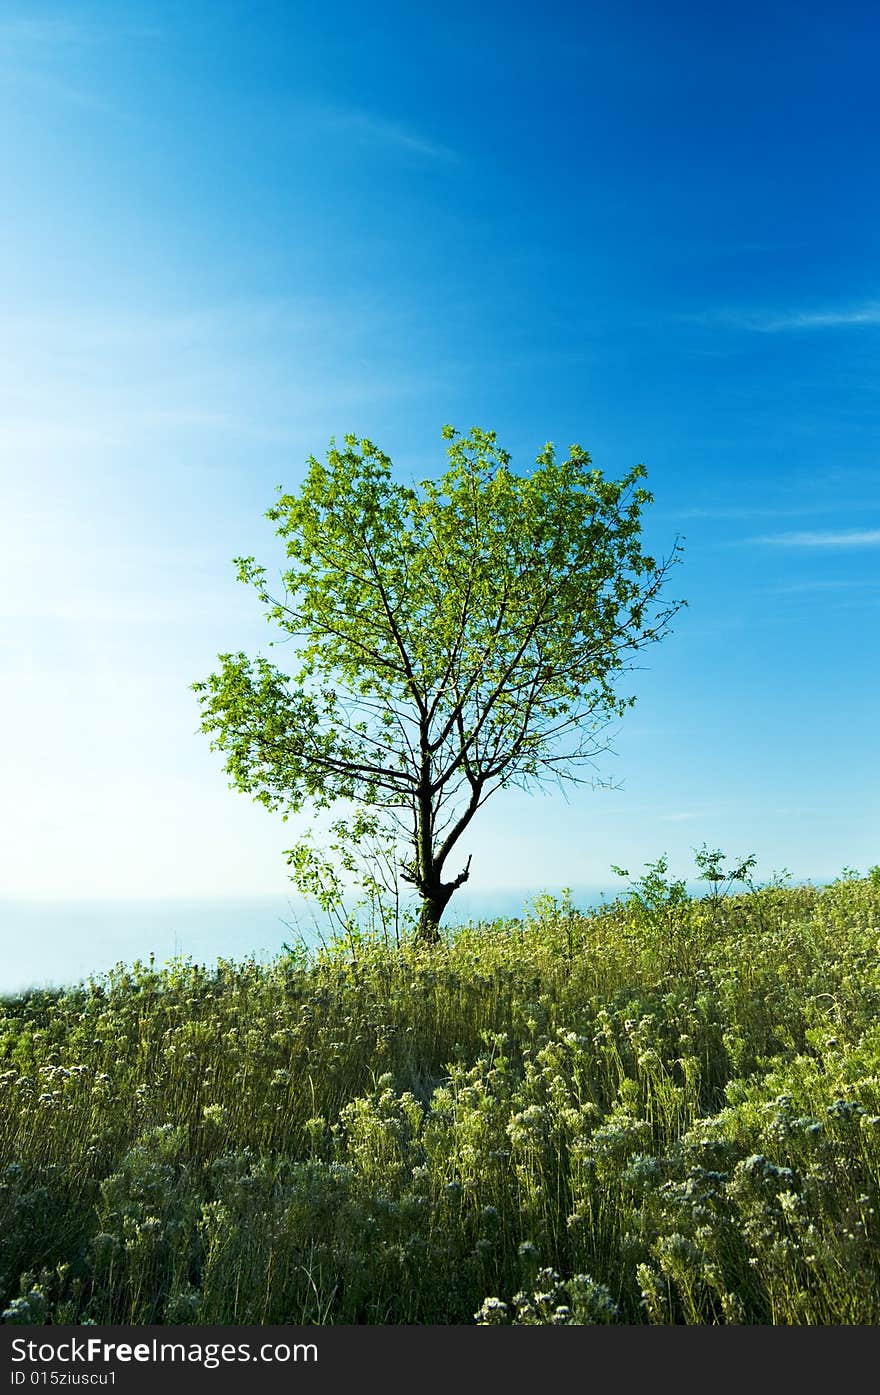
(659, 1112)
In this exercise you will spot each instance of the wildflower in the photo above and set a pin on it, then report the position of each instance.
(845, 1109)
(592, 1301)
(492, 1312)
(27, 1309)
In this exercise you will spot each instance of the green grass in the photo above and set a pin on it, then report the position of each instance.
(667, 1111)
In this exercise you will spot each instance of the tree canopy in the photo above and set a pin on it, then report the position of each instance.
(449, 639)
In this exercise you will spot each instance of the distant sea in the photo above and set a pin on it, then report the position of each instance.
(54, 943)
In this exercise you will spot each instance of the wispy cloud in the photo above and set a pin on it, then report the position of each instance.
(867, 314)
(828, 586)
(53, 31)
(93, 380)
(778, 321)
(743, 513)
(37, 51)
(27, 31)
(368, 128)
(853, 537)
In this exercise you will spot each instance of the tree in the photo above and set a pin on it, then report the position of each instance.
(452, 639)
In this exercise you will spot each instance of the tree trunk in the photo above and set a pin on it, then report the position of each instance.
(435, 893)
(428, 929)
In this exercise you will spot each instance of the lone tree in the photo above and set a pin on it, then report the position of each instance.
(452, 639)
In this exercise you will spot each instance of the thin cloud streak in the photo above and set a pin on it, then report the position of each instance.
(848, 585)
(723, 513)
(379, 131)
(48, 32)
(31, 50)
(59, 31)
(868, 314)
(776, 322)
(98, 379)
(867, 537)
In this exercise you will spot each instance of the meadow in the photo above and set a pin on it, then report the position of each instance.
(664, 1111)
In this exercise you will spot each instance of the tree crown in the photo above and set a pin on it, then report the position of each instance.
(451, 637)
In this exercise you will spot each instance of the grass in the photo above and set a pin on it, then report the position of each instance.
(666, 1111)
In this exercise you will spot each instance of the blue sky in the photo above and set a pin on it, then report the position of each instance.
(231, 231)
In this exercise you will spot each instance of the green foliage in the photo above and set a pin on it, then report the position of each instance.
(451, 639)
(665, 1111)
(711, 862)
(362, 852)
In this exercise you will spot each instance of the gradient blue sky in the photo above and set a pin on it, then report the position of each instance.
(230, 231)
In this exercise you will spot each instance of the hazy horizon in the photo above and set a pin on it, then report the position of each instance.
(61, 942)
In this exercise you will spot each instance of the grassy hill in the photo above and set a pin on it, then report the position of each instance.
(665, 1111)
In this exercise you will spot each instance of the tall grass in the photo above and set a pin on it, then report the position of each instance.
(667, 1111)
